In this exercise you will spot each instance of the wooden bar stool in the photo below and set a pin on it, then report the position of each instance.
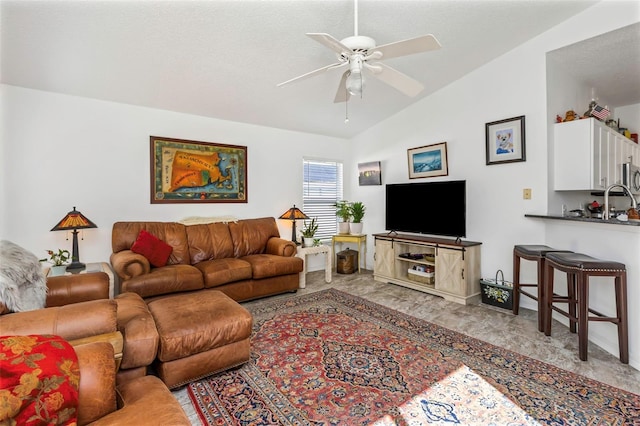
(579, 268)
(535, 253)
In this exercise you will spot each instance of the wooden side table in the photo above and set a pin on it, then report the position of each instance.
(360, 239)
(303, 252)
(92, 268)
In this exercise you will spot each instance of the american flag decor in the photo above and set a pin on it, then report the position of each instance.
(600, 112)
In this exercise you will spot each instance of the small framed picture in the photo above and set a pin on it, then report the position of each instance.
(505, 141)
(369, 173)
(428, 161)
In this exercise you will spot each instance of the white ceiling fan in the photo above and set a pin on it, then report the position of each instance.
(357, 51)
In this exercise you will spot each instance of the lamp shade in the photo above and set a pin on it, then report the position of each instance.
(74, 220)
(293, 213)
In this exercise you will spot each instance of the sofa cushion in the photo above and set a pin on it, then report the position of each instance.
(268, 265)
(250, 236)
(209, 241)
(124, 234)
(223, 271)
(154, 249)
(168, 279)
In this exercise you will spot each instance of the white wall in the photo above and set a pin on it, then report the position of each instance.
(63, 151)
(512, 85)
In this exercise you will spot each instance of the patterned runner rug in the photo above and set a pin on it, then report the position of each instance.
(330, 358)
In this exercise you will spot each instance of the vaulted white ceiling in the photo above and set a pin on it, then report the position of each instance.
(223, 58)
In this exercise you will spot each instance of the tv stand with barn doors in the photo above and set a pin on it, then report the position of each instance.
(439, 266)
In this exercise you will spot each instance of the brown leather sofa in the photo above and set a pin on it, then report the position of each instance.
(78, 309)
(245, 260)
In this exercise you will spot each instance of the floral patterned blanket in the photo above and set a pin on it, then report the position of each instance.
(38, 381)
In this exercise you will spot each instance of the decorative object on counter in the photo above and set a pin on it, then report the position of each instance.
(505, 141)
(428, 161)
(73, 221)
(634, 137)
(595, 209)
(588, 112)
(497, 292)
(570, 116)
(294, 214)
(601, 113)
(632, 214)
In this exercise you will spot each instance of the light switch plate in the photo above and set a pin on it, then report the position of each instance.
(526, 193)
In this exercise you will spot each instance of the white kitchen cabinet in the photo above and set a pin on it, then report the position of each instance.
(588, 155)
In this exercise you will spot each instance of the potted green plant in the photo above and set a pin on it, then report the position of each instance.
(309, 231)
(357, 210)
(58, 261)
(343, 211)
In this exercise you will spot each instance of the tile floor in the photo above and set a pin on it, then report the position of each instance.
(494, 325)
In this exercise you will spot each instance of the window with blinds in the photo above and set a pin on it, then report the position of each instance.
(322, 187)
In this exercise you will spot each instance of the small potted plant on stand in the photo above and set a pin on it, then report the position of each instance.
(58, 261)
(343, 211)
(308, 232)
(357, 210)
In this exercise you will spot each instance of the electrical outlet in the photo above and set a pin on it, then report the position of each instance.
(526, 194)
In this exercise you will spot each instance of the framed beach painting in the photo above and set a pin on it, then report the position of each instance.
(505, 142)
(184, 171)
(428, 161)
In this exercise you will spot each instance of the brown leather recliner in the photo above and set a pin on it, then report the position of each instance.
(75, 311)
(140, 401)
(245, 260)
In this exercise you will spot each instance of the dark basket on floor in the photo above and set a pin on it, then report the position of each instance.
(497, 292)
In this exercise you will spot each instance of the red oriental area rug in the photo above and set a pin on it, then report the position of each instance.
(329, 358)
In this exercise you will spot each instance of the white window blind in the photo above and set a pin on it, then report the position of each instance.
(322, 187)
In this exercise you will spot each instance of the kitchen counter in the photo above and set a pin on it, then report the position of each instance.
(585, 219)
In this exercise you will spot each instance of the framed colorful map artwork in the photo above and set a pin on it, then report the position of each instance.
(184, 171)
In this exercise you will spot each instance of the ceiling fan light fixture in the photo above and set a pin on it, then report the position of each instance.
(355, 83)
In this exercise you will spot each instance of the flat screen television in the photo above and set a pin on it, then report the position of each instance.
(434, 208)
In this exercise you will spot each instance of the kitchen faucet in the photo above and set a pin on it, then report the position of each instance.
(605, 212)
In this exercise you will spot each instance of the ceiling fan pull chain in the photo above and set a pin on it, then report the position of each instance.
(346, 108)
(355, 17)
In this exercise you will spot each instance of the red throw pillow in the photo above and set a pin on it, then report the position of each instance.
(154, 249)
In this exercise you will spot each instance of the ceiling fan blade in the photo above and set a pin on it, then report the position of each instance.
(342, 94)
(331, 42)
(314, 72)
(408, 47)
(397, 80)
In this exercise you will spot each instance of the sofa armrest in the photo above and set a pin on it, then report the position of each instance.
(68, 289)
(69, 322)
(127, 264)
(136, 324)
(140, 398)
(281, 247)
(97, 387)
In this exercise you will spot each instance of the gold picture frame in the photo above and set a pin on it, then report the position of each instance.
(185, 171)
